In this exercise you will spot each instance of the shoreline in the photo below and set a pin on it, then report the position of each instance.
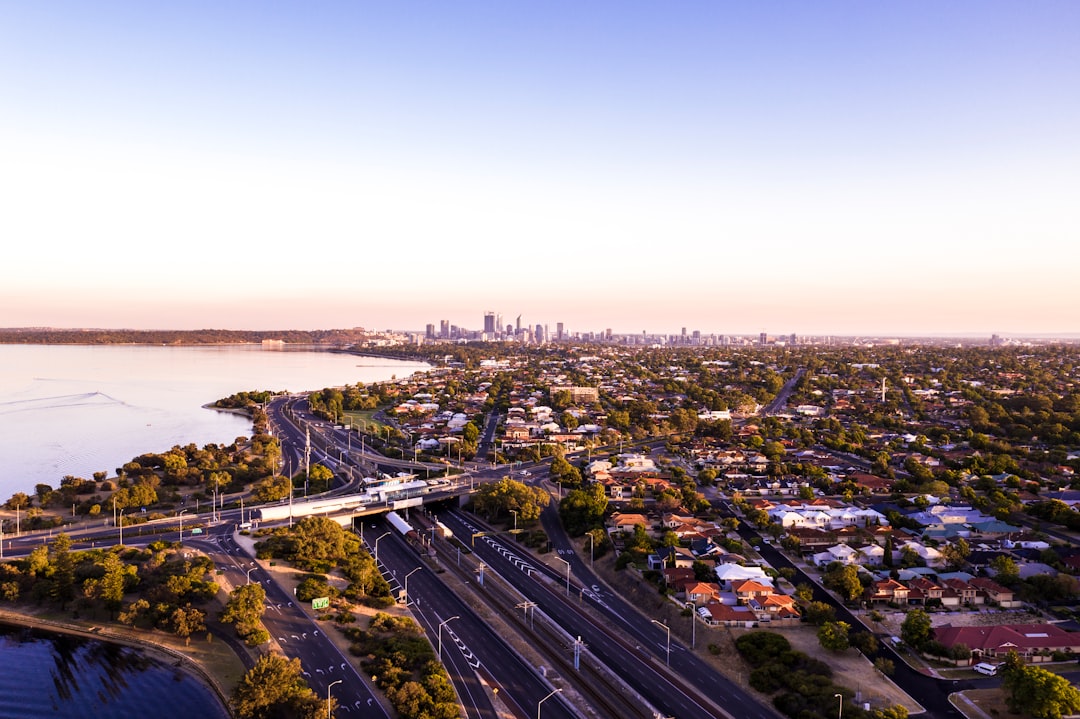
(165, 654)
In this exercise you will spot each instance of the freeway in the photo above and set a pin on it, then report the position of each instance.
(472, 650)
(630, 644)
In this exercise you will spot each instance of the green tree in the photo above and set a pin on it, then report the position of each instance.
(917, 629)
(244, 610)
(1005, 570)
(844, 580)
(275, 687)
(834, 636)
(1038, 692)
(955, 553)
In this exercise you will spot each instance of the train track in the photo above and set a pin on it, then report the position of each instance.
(605, 694)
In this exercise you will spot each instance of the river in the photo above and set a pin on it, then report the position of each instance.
(79, 409)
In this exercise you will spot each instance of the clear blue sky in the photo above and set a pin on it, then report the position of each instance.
(808, 167)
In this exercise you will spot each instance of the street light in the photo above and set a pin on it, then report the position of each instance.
(514, 512)
(339, 681)
(544, 700)
(120, 524)
(249, 571)
(387, 534)
(180, 515)
(840, 713)
(567, 574)
(654, 621)
(440, 632)
(407, 584)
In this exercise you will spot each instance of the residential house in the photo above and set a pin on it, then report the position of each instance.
(1027, 640)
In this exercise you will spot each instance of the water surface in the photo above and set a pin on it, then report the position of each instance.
(65, 677)
(79, 409)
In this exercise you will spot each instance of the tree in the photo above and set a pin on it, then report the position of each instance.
(818, 612)
(583, 509)
(275, 687)
(834, 636)
(865, 642)
(1005, 570)
(844, 580)
(917, 629)
(955, 553)
(244, 610)
(185, 621)
(1038, 692)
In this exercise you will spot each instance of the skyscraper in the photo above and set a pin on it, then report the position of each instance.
(489, 323)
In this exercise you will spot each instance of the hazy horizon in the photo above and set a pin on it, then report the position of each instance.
(818, 169)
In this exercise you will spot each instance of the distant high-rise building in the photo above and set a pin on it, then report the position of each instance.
(430, 334)
(559, 331)
(444, 329)
(489, 323)
(540, 335)
(517, 325)
(763, 339)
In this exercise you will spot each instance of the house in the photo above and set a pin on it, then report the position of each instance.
(747, 590)
(700, 593)
(995, 593)
(726, 574)
(626, 522)
(967, 593)
(717, 614)
(1027, 640)
(888, 590)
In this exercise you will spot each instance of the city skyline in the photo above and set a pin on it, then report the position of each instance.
(825, 170)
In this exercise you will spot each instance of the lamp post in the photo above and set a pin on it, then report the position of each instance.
(180, 516)
(567, 574)
(514, 512)
(840, 713)
(592, 542)
(544, 700)
(120, 524)
(655, 621)
(407, 584)
(440, 632)
(248, 573)
(386, 534)
(328, 688)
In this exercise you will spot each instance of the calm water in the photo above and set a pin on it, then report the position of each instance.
(81, 409)
(52, 675)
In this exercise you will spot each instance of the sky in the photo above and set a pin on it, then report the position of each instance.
(730, 167)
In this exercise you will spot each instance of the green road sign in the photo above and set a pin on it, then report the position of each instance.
(320, 603)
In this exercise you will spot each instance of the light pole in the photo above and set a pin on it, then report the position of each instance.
(328, 688)
(592, 541)
(567, 574)
(386, 534)
(407, 584)
(440, 632)
(544, 700)
(248, 573)
(514, 512)
(655, 621)
(180, 515)
(840, 713)
(120, 524)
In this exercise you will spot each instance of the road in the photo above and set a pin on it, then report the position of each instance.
(630, 644)
(471, 649)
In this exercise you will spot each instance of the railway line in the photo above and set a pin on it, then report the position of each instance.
(604, 693)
